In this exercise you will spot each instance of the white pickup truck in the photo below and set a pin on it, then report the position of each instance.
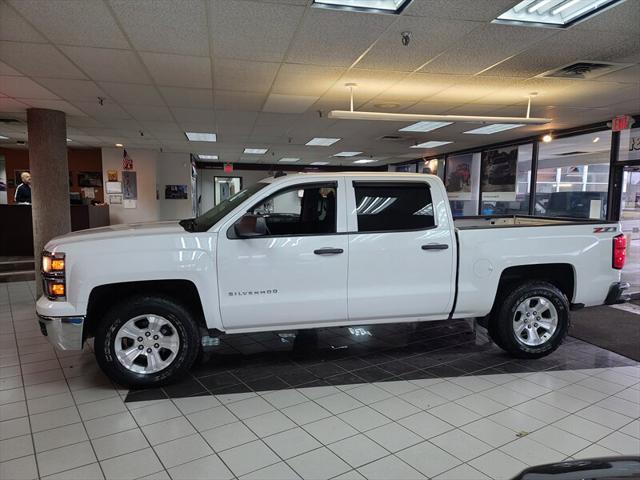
(318, 250)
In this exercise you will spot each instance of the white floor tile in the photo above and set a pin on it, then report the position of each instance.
(498, 465)
(206, 468)
(307, 412)
(182, 450)
(228, 436)
(195, 404)
(24, 468)
(211, 418)
(358, 450)
(102, 426)
(318, 464)
(461, 445)
(119, 444)
(462, 472)
(394, 437)
(59, 437)
(394, 408)
(364, 418)
(516, 420)
(428, 459)
(329, 430)
(559, 440)
(621, 443)
(390, 468)
(16, 447)
(269, 423)
(168, 430)
(65, 458)
(14, 428)
(291, 443)
(455, 414)
(604, 416)
(424, 399)
(133, 465)
(426, 425)
(250, 407)
(278, 471)
(88, 472)
(531, 452)
(248, 457)
(583, 428)
(490, 432)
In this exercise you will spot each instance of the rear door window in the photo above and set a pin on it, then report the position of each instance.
(384, 207)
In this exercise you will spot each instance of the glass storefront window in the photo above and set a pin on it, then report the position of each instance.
(518, 204)
(462, 181)
(629, 145)
(573, 176)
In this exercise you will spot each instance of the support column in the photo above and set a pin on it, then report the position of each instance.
(49, 179)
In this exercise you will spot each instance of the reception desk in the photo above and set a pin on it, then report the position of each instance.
(16, 229)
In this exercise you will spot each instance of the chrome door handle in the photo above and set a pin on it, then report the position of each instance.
(328, 251)
(435, 246)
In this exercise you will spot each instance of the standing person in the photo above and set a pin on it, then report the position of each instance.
(23, 192)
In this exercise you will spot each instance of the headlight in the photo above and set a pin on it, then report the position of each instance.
(53, 275)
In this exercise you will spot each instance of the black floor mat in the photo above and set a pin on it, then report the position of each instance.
(609, 328)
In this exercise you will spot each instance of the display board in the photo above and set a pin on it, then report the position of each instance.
(498, 174)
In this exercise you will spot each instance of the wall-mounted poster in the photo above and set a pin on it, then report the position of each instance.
(499, 170)
(176, 192)
(458, 181)
(115, 199)
(112, 175)
(129, 185)
(90, 179)
(114, 187)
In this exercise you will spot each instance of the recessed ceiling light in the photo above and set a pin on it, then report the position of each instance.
(319, 163)
(376, 6)
(2, 137)
(288, 160)
(495, 128)
(256, 151)
(424, 126)
(596, 140)
(554, 13)
(208, 157)
(365, 160)
(69, 140)
(347, 154)
(431, 144)
(119, 145)
(547, 138)
(322, 142)
(201, 136)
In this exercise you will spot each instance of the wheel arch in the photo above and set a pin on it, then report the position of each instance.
(102, 297)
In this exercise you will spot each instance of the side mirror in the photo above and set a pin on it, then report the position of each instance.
(250, 226)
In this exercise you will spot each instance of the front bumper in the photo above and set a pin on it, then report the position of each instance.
(64, 333)
(616, 294)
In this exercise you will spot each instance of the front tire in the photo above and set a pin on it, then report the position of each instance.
(532, 320)
(146, 341)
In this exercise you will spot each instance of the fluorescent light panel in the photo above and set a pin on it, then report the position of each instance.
(2, 137)
(319, 163)
(495, 128)
(557, 13)
(288, 160)
(208, 157)
(388, 6)
(201, 136)
(365, 160)
(424, 126)
(347, 154)
(322, 142)
(256, 151)
(431, 144)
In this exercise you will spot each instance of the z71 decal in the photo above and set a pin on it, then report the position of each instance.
(604, 229)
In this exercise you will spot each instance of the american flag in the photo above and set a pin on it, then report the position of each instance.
(127, 161)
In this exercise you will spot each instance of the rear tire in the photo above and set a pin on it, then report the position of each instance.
(532, 320)
(146, 341)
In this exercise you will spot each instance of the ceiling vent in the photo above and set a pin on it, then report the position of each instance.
(584, 70)
(566, 154)
(393, 138)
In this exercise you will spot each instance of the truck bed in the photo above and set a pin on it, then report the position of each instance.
(466, 223)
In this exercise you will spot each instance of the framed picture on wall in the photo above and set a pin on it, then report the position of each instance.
(176, 192)
(90, 179)
(225, 188)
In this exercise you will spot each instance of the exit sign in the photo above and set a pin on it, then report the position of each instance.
(228, 167)
(621, 122)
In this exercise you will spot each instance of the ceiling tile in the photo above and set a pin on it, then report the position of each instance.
(23, 87)
(38, 59)
(108, 65)
(108, 110)
(335, 38)
(65, 22)
(72, 89)
(165, 25)
(429, 37)
(624, 17)
(241, 101)
(418, 86)
(7, 70)
(149, 112)
(566, 47)
(294, 79)
(240, 75)
(130, 94)
(200, 115)
(178, 70)
(13, 27)
(288, 103)
(486, 46)
(11, 105)
(61, 105)
(187, 97)
(478, 10)
(266, 28)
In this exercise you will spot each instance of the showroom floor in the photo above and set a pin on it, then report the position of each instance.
(409, 401)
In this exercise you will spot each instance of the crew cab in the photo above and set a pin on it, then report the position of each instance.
(307, 251)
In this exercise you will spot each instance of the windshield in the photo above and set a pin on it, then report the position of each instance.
(209, 218)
